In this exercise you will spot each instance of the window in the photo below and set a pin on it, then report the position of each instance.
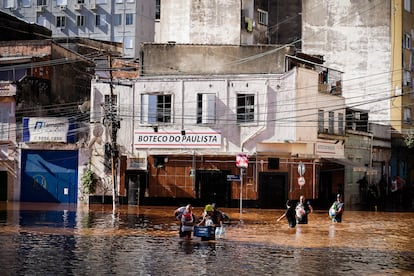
(4, 123)
(245, 108)
(341, 124)
(407, 41)
(117, 19)
(61, 2)
(331, 122)
(41, 2)
(320, 121)
(60, 21)
(119, 1)
(9, 4)
(407, 115)
(80, 20)
(407, 5)
(407, 78)
(155, 108)
(100, 20)
(158, 9)
(81, 1)
(262, 17)
(41, 20)
(26, 3)
(206, 108)
(356, 120)
(129, 19)
(129, 42)
(100, 1)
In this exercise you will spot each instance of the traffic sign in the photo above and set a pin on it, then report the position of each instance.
(242, 160)
(233, 177)
(301, 181)
(301, 168)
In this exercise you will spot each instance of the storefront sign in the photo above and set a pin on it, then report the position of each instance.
(47, 129)
(325, 148)
(175, 139)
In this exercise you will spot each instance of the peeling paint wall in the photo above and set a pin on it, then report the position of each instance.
(200, 22)
(354, 37)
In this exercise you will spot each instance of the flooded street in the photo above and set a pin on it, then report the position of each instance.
(47, 239)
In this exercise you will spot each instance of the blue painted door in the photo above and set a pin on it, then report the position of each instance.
(49, 176)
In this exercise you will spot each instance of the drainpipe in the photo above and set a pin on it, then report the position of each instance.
(133, 119)
(260, 130)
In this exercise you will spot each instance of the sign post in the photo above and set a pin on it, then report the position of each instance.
(242, 162)
(301, 172)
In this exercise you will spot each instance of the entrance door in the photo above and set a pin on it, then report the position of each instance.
(135, 183)
(212, 186)
(49, 176)
(272, 190)
(3, 185)
(325, 196)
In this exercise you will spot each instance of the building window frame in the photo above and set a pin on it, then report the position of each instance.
(407, 5)
(206, 108)
(117, 19)
(341, 130)
(129, 19)
(157, 10)
(80, 20)
(331, 120)
(41, 3)
(407, 41)
(321, 121)
(61, 21)
(407, 115)
(156, 108)
(245, 108)
(263, 17)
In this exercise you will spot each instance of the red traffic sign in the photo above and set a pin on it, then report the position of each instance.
(301, 181)
(242, 160)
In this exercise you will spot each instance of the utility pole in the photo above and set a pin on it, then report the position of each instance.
(113, 126)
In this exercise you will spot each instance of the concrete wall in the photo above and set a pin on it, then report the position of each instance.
(174, 59)
(200, 22)
(354, 37)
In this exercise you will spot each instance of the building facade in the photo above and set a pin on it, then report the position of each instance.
(370, 42)
(182, 135)
(127, 21)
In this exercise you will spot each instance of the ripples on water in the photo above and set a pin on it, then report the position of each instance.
(57, 240)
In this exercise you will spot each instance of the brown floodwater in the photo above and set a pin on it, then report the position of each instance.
(61, 239)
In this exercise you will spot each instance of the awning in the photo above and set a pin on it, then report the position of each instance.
(356, 167)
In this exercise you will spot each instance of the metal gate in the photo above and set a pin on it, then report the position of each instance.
(49, 176)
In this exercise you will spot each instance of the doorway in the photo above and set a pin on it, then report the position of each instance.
(273, 190)
(212, 186)
(3, 185)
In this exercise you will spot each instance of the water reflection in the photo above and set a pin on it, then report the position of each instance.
(72, 240)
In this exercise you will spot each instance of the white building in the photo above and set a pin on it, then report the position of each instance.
(128, 21)
(178, 133)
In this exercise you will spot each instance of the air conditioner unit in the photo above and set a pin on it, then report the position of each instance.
(63, 8)
(78, 7)
(93, 6)
(40, 8)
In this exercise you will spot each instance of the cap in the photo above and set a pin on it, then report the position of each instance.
(208, 208)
